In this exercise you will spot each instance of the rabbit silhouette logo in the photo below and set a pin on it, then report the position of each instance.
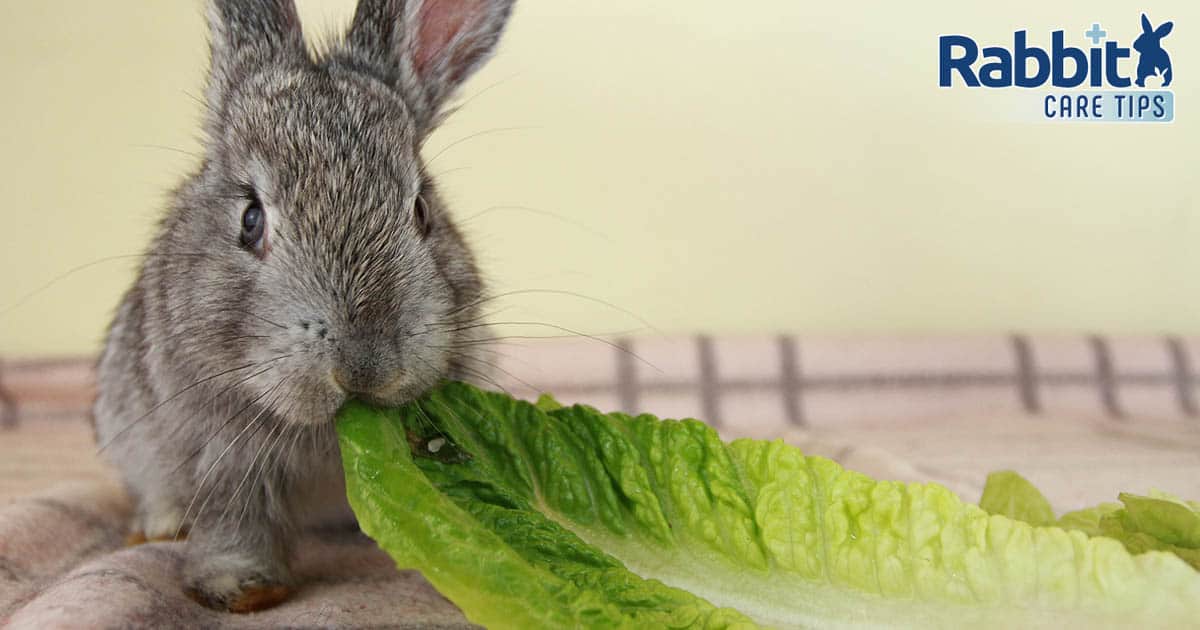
(1152, 59)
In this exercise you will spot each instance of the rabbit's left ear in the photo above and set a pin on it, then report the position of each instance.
(1146, 26)
(1163, 29)
(426, 48)
(245, 36)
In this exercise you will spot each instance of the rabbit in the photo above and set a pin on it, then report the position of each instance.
(1151, 57)
(308, 259)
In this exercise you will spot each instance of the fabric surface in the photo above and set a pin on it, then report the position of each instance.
(1081, 417)
(63, 565)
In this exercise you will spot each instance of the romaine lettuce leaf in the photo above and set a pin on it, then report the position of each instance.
(1088, 520)
(1009, 494)
(1157, 522)
(562, 517)
(1163, 517)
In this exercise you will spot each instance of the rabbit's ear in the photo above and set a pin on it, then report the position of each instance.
(1163, 29)
(426, 48)
(248, 34)
(1146, 26)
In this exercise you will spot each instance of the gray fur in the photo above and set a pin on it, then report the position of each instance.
(224, 365)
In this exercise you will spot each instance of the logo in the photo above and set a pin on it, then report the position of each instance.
(1075, 77)
(1153, 58)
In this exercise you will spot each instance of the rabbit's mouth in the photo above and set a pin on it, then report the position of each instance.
(405, 391)
(398, 389)
(310, 403)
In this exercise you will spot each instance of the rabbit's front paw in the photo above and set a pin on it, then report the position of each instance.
(234, 584)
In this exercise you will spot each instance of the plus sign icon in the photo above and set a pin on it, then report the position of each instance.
(1072, 73)
(1096, 34)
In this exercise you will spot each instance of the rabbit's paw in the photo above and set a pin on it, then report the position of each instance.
(159, 522)
(231, 584)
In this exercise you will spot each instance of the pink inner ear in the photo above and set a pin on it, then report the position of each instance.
(440, 22)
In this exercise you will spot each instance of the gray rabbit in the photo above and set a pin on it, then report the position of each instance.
(307, 259)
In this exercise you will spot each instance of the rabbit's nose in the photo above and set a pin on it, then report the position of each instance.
(367, 382)
(360, 372)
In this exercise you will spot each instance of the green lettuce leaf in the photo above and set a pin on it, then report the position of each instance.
(1163, 517)
(1008, 494)
(1088, 520)
(1158, 522)
(553, 517)
(546, 402)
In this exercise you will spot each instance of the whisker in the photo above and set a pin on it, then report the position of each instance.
(477, 134)
(576, 333)
(461, 105)
(74, 270)
(211, 468)
(281, 421)
(450, 410)
(482, 347)
(272, 458)
(544, 213)
(228, 422)
(573, 294)
(251, 423)
(457, 169)
(503, 340)
(202, 102)
(425, 417)
(494, 366)
(469, 371)
(433, 425)
(249, 469)
(481, 318)
(301, 430)
(259, 317)
(193, 386)
(167, 148)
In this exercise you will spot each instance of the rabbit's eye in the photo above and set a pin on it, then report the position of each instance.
(254, 226)
(421, 216)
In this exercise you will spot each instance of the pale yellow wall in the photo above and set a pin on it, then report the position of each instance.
(729, 166)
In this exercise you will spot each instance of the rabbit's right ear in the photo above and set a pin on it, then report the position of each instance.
(425, 49)
(249, 34)
(1146, 26)
(1164, 29)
